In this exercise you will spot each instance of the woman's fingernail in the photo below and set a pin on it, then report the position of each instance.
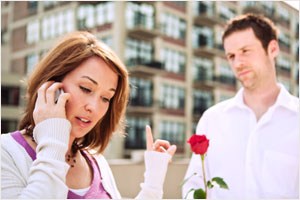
(162, 148)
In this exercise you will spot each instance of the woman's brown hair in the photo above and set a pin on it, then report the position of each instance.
(67, 55)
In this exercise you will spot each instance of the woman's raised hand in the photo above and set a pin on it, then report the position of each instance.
(158, 145)
(45, 106)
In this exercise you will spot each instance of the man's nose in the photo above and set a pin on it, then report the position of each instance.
(238, 62)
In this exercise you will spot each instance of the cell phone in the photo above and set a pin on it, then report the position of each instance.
(57, 94)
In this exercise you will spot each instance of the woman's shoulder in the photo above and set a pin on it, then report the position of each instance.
(7, 140)
(11, 143)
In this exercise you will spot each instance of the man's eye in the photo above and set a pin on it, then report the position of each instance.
(85, 90)
(230, 57)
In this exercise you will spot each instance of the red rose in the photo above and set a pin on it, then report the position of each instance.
(199, 144)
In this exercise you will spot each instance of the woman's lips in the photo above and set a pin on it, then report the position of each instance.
(83, 122)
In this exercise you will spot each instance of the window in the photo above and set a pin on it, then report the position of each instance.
(4, 36)
(32, 6)
(108, 40)
(85, 16)
(32, 32)
(226, 13)
(202, 101)
(172, 97)
(136, 132)
(138, 52)
(284, 16)
(247, 3)
(10, 95)
(224, 97)
(8, 125)
(218, 38)
(49, 4)
(296, 73)
(268, 7)
(203, 69)
(173, 26)
(174, 61)
(286, 83)
(139, 15)
(31, 61)
(104, 13)
(285, 42)
(204, 7)
(57, 24)
(226, 74)
(284, 64)
(141, 92)
(174, 132)
(202, 37)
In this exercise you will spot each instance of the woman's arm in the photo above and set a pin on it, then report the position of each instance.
(157, 158)
(47, 174)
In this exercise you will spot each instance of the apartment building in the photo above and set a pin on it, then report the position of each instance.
(173, 50)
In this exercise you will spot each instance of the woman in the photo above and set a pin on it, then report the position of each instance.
(57, 152)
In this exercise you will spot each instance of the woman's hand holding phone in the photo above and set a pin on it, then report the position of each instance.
(50, 102)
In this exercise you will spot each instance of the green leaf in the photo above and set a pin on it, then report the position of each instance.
(220, 182)
(209, 185)
(199, 194)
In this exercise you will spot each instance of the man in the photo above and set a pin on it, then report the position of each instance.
(254, 136)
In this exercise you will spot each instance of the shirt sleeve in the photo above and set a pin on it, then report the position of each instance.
(156, 165)
(47, 174)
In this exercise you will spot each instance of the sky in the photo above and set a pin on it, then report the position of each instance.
(295, 4)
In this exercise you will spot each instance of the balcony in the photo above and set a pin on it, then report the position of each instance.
(206, 20)
(140, 30)
(203, 81)
(208, 51)
(140, 98)
(225, 80)
(141, 67)
(258, 9)
(199, 110)
(143, 33)
(177, 5)
(283, 71)
(140, 105)
(283, 22)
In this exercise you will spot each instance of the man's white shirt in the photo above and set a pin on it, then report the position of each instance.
(257, 159)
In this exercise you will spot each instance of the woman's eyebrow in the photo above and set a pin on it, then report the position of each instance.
(95, 82)
(89, 78)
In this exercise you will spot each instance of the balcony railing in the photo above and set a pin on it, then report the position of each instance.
(141, 100)
(225, 79)
(141, 61)
(199, 110)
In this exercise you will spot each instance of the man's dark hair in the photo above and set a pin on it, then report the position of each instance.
(263, 28)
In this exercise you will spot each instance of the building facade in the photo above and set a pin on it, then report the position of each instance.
(173, 50)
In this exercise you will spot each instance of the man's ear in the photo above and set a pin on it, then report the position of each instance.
(273, 48)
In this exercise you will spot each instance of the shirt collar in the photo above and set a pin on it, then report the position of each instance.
(284, 99)
(237, 101)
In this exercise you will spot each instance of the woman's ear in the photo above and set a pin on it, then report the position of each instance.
(273, 48)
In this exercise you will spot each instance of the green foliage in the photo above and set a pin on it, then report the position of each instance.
(199, 194)
(220, 182)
